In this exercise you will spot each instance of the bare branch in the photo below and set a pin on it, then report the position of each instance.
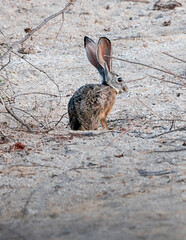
(120, 135)
(10, 111)
(135, 80)
(62, 22)
(24, 210)
(167, 151)
(29, 115)
(169, 120)
(163, 80)
(154, 113)
(2, 34)
(15, 44)
(60, 119)
(8, 80)
(148, 66)
(139, 1)
(181, 60)
(36, 93)
(175, 130)
(154, 173)
(6, 63)
(40, 70)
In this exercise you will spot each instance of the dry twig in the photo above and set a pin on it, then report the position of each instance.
(6, 63)
(135, 80)
(2, 34)
(24, 210)
(155, 173)
(8, 80)
(154, 113)
(10, 111)
(62, 22)
(120, 135)
(139, 1)
(60, 119)
(163, 80)
(168, 151)
(169, 120)
(35, 93)
(40, 70)
(15, 44)
(170, 131)
(181, 60)
(19, 109)
(148, 66)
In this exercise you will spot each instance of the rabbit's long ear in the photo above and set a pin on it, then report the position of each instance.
(91, 48)
(104, 52)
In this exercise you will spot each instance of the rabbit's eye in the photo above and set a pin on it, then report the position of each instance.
(120, 79)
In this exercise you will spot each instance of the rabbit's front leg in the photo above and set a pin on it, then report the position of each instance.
(103, 121)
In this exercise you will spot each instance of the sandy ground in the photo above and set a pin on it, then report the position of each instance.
(125, 183)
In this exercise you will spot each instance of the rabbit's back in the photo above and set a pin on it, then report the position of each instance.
(88, 104)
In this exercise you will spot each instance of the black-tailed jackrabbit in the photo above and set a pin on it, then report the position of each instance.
(91, 103)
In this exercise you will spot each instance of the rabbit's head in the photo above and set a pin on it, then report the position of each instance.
(99, 56)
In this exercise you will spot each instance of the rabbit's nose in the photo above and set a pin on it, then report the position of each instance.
(125, 88)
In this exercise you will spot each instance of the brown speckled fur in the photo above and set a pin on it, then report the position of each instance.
(89, 105)
(92, 103)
